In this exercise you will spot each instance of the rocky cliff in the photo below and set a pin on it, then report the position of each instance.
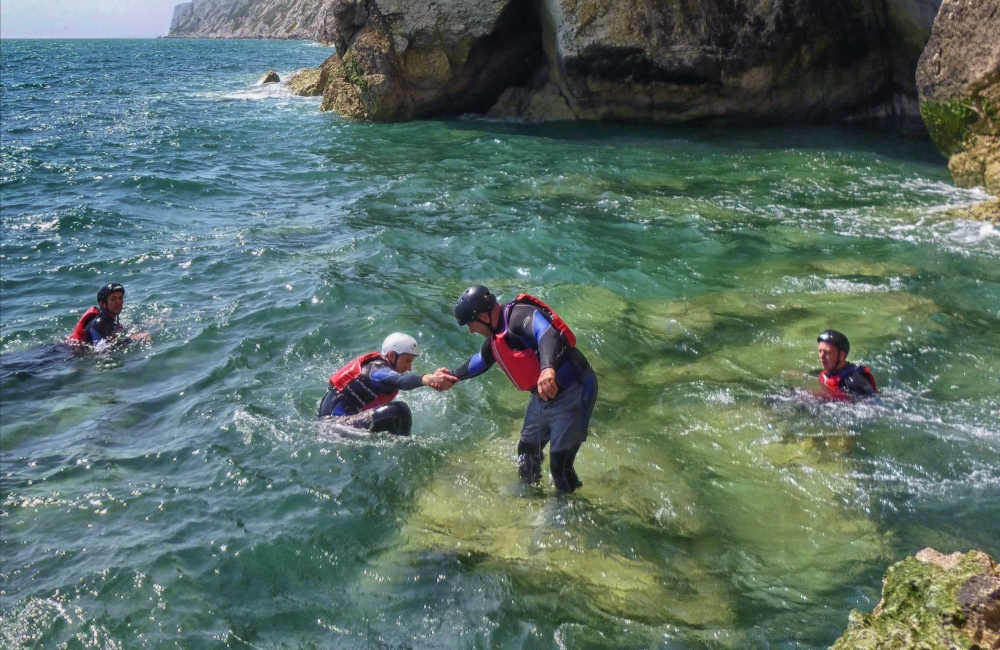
(639, 60)
(276, 19)
(958, 79)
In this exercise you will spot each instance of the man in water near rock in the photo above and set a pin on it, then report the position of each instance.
(537, 351)
(840, 379)
(362, 391)
(99, 326)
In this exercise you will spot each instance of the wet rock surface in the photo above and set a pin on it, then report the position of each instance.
(270, 77)
(958, 79)
(932, 601)
(985, 211)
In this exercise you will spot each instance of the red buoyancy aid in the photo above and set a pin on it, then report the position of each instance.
(353, 372)
(832, 382)
(80, 331)
(522, 367)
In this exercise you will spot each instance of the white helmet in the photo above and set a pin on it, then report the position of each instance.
(400, 344)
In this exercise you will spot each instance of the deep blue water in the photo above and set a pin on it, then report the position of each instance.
(181, 493)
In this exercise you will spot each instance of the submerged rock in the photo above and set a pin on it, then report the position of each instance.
(958, 80)
(985, 211)
(270, 77)
(932, 601)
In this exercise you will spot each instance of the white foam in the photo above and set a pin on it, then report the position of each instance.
(257, 92)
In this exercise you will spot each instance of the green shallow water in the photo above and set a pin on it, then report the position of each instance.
(181, 493)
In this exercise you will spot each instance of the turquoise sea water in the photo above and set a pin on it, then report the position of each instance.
(181, 493)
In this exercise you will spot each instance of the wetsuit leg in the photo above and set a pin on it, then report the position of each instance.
(563, 474)
(534, 436)
(529, 462)
(328, 404)
(569, 416)
(394, 418)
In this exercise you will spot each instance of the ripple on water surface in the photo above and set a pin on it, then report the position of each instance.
(181, 491)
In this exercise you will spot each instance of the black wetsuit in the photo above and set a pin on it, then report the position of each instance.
(852, 380)
(524, 331)
(102, 327)
(565, 418)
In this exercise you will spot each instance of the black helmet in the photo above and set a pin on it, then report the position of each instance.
(476, 300)
(836, 339)
(107, 290)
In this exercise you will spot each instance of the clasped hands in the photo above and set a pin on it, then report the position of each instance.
(440, 380)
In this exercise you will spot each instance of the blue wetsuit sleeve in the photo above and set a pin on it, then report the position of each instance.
(387, 378)
(477, 365)
(549, 340)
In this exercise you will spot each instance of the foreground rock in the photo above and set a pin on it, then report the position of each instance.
(958, 80)
(932, 601)
(307, 82)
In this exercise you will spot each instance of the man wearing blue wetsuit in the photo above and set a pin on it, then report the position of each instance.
(100, 325)
(537, 351)
(361, 392)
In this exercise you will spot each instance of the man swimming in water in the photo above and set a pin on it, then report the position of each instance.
(537, 351)
(361, 392)
(839, 378)
(100, 324)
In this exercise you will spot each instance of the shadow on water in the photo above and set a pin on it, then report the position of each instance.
(895, 139)
(44, 362)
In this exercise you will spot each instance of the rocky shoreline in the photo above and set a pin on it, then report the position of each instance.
(650, 61)
(933, 602)
(663, 61)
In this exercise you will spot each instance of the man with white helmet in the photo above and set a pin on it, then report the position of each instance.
(362, 391)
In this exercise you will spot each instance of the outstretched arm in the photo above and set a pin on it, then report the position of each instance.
(389, 378)
(477, 365)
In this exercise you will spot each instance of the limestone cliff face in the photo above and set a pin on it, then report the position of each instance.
(642, 60)
(732, 61)
(275, 19)
(958, 79)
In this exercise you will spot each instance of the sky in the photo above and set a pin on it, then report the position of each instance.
(85, 18)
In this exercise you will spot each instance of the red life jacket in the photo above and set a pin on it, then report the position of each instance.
(353, 382)
(80, 331)
(832, 382)
(522, 367)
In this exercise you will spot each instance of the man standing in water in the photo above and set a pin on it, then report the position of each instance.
(100, 325)
(840, 379)
(537, 351)
(361, 392)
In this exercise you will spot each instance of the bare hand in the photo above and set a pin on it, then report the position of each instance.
(547, 386)
(441, 380)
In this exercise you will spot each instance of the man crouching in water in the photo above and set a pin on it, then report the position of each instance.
(99, 326)
(840, 379)
(362, 391)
